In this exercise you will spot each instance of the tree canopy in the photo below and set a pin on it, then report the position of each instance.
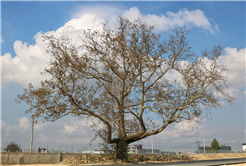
(122, 79)
(215, 145)
(12, 147)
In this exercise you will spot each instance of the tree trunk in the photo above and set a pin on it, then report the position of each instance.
(121, 150)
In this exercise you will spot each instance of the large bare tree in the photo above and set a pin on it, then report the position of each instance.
(121, 79)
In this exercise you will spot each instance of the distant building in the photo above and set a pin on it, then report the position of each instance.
(134, 149)
(223, 147)
(42, 150)
(201, 148)
(167, 152)
(149, 151)
(138, 149)
(94, 152)
(244, 146)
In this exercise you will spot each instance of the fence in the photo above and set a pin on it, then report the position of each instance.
(218, 151)
(81, 149)
(50, 149)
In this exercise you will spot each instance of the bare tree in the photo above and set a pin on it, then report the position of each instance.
(121, 81)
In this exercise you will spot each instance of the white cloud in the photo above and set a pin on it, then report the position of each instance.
(181, 129)
(3, 124)
(26, 66)
(24, 123)
(22, 127)
(64, 132)
(2, 41)
(101, 10)
(170, 20)
(41, 137)
(178, 135)
(70, 129)
(40, 126)
(30, 60)
(235, 60)
(86, 21)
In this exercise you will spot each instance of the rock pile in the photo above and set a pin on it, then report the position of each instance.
(111, 159)
(88, 159)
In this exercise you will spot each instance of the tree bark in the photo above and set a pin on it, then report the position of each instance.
(121, 150)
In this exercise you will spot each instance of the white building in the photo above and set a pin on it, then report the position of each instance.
(93, 151)
(244, 146)
(138, 149)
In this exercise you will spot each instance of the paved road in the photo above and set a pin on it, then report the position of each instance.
(195, 163)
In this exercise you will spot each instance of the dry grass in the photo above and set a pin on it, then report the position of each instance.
(218, 156)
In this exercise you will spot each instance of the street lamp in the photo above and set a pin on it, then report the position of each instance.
(31, 135)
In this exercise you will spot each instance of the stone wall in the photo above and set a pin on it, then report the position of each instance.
(12, 158)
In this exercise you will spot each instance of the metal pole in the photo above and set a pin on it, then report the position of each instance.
(32, 135)
(152, 143)
(204, 145)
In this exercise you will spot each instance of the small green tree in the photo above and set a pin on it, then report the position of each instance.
(12, 147)
(215, 145)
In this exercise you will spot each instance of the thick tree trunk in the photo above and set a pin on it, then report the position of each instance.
(121, 150)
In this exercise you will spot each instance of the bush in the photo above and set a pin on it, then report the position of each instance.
(12, 147)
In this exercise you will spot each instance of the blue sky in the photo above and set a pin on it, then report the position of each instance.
(210, 23)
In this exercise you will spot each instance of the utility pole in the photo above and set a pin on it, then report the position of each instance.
(204, 145)
(198, 144)
(31, 135)
(152, 144)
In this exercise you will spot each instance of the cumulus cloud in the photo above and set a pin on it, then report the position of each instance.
(24, 123)
(70, 132)
(235, 60)
(22, 127)
(193, 18)
(30, 60)
(70, 129)
(180, 136)
(63, 132)
(2, 123)
(40, 126)
(101, 10)
(85, 21)
(26, 66)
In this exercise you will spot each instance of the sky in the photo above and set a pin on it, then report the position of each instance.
(23, 57)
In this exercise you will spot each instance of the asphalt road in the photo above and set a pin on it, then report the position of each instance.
(195, 163)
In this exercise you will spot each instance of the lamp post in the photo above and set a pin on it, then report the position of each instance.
(152, 144)
(204, 145)
(31, 135)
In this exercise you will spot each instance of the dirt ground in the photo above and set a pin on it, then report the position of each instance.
(244, 164)
(137, 159)
(221, 156)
